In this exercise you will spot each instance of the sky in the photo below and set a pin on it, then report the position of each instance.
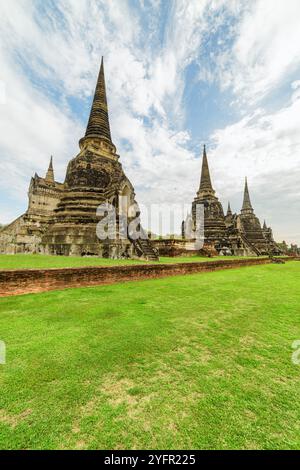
(178, 74)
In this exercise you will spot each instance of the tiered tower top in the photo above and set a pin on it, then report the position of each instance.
(247, 206)
(98, 128)
(50, 173)
(229, 211)
(205, 188)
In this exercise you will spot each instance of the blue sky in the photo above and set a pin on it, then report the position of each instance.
(179, 74)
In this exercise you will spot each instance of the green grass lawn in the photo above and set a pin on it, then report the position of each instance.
(198, 361)
(29, 261)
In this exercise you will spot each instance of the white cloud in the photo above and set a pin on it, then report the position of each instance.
(31, 129)
(266, 48)
(262, 146)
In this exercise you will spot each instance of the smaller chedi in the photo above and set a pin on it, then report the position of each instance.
(231, 234)
(62, 218)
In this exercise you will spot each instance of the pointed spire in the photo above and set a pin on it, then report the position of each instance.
(98, 124)
(229, 212)
(205, 182)
(247, 207)
(50, 173)
(265, 226)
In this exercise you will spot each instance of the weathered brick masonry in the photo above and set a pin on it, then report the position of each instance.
(37, 280)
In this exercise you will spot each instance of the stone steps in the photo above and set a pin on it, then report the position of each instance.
(145, 248)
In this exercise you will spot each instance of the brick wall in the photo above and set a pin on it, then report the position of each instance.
(37, 280)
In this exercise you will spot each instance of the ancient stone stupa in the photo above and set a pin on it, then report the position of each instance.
(236, 234)
(214, 224)
(250, 226)
(61, 218)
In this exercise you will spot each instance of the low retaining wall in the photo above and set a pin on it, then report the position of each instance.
(37, 280)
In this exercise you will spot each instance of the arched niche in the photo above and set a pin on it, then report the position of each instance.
(125, 200)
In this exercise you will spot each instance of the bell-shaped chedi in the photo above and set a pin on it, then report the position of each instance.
(62, 217)
(214, 220)
(250, 225)
(93, 178)
(96, 167)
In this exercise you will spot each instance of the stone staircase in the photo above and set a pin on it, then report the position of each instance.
(144, 248)
(250, 245)
(147, 249)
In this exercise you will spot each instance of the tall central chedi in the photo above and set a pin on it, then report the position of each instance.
(94, 177)
(61, 219)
